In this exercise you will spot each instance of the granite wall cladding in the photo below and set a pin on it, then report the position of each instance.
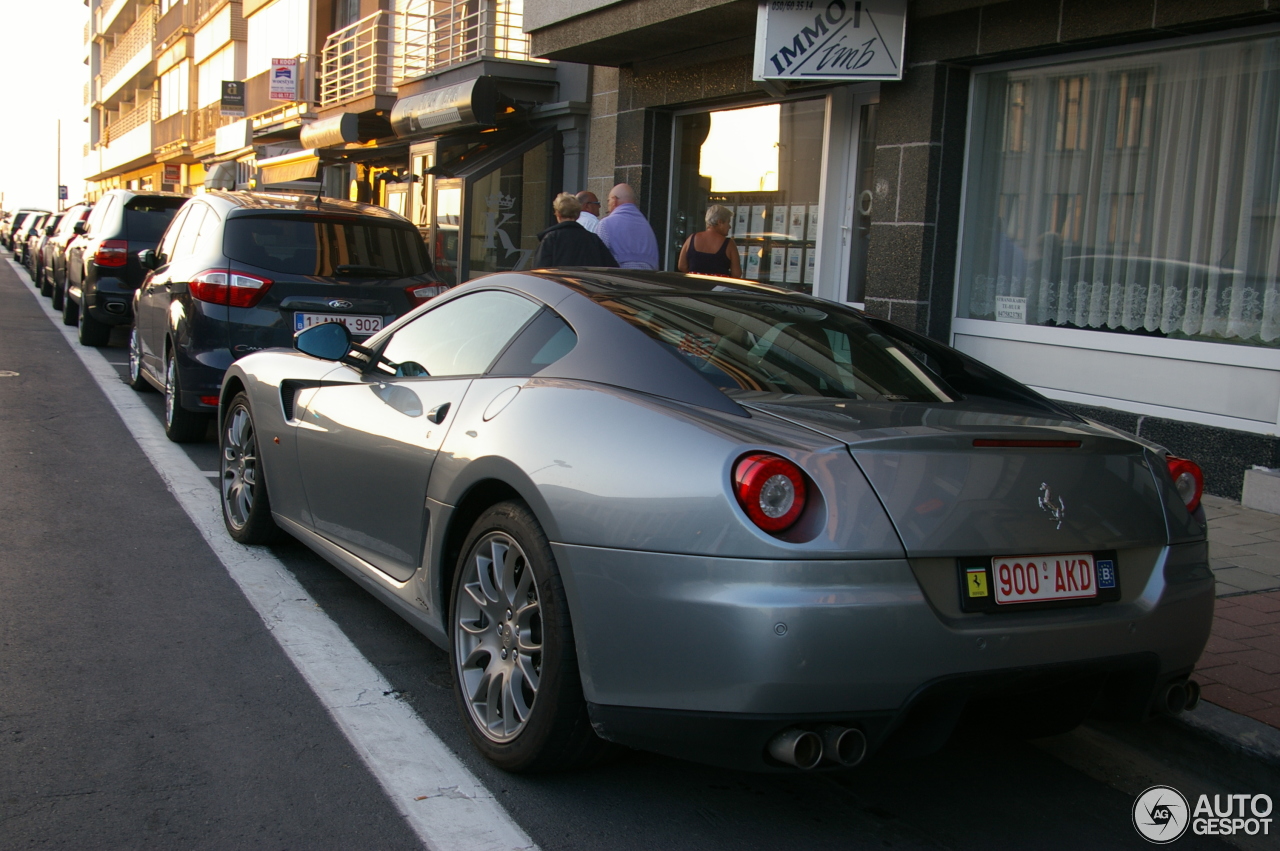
(1223, 454)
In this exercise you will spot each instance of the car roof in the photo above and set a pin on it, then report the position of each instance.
(274, 202)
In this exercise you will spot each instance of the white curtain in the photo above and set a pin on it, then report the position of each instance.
(1139, 193)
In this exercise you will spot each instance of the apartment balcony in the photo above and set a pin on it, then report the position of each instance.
(132, 53)
(108, 11)
(126, 143)
(179, 19)
(205, 122)
(359, 61)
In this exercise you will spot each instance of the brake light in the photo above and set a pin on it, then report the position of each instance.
(218, 286)
(111, 252)
(770, 489)
(419, 294)
(1188, 479)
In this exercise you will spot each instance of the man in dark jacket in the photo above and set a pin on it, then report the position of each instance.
(568, 243)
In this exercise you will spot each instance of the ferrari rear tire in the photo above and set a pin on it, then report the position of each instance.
(246, 508)
(515, 666)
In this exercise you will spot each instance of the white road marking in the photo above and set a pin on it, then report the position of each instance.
(444, 803)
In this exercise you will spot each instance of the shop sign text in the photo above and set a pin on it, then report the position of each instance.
(830, 39)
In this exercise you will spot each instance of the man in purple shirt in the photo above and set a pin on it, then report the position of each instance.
(626, 231)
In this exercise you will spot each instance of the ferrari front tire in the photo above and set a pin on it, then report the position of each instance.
(515, 666)
(246, 508)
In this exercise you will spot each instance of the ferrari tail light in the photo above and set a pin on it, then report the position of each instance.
(219, 286)
(112, 252)
(421, 294)
(1188, 479)
(770, 489)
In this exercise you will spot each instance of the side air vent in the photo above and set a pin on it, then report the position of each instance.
(289, 389)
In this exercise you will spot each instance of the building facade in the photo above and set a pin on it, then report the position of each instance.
(1082, 194)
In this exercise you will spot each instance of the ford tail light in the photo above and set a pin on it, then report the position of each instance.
(219, 286)
(1188, 479)
(111, 252)
(770, 489)
(421, 294)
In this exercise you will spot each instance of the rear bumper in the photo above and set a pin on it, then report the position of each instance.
(787, 641)
(108, 300)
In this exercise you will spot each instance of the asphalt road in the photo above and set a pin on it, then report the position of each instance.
(144, 703)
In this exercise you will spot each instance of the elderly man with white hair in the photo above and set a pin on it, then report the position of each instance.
(627, 232)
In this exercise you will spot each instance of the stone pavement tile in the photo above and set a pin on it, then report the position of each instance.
(1268, 715)
(1247, 616)
(1267, 602)
(1270, 696)
(1234, 631)
(1229, 698)
(1234, 538)
(1222, 589)
(1259, 660)
(1269, 643)
(1269, 534)
(1213, 660)
(1266, 549)
(1205, 678)
(1219, 605)
(1244, 679)
(1217, 644)
(1247, 578)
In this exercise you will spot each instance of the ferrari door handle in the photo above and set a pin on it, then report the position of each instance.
(438, 413)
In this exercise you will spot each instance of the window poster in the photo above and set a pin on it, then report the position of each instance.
(812, 233)
(777, 264)
(742, 260)
(779, 230)
(752, 269)
(795, 259)
(810, 260)
(758, 220)
(741, 222)
(796, 230)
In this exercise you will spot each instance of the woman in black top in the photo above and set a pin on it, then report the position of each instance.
(711, 251)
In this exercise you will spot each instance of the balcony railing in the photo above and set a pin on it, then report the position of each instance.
(462, 30)
(141, 114)
(86, 32)
(369, 56)
(86, 94)
(206, 120)
(139, 37)
(181, 14)
(175, 128)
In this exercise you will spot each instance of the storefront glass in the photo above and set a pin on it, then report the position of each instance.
(1136, 194)
(506, 209)
(765, 164)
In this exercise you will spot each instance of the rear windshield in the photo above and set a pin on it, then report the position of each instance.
(146, 218)
(778, 345)
(326, 246)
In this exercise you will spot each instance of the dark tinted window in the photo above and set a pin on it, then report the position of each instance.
(546, 339)
(326, 246)
(776, 345)
(146, 218)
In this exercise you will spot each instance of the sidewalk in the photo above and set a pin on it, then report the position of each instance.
(1240, 668)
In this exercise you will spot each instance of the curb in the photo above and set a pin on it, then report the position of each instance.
(1236, 731)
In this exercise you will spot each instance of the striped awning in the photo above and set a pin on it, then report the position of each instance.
(299, 165)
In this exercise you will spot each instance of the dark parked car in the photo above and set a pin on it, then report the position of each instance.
(241, 272)
(36, 245)
(103, 268)
(15, 224)
(54, 274)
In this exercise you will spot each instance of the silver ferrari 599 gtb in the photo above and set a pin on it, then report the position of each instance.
(722, 521)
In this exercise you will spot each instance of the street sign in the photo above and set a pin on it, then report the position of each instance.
(284, 79)
(832, 40)
(63, 195)
(233, 98)
(172, 173)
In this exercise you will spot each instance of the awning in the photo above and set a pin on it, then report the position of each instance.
(298, 165)
(221, 176)
(331, 132)
(470, 104)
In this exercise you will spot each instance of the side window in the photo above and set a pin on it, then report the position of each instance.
(186, 241)
(170, 238)
(99, 214)
(461, 337)
(543, 342)
(210, 229)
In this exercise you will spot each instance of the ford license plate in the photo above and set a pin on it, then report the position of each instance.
(359, 326)
(1037, 579)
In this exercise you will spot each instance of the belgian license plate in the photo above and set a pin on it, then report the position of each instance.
(1037, 579)
(359, 326)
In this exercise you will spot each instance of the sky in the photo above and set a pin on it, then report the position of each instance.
(43, 74)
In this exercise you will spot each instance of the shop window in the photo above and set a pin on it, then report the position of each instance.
(765, 164)
(1168, 225)
(508, 207)
(1015, 127)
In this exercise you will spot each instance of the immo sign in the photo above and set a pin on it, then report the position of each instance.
(837, 40)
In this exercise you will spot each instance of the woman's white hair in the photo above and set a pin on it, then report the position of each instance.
(717, 215)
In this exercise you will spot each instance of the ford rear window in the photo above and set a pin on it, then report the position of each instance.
(326, 246)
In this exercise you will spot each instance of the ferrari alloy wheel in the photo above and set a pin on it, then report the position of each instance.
(180, 425)
(515, 666)
(136, 379)
(246, 509)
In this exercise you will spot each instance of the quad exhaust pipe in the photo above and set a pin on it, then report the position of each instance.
(1179, 696)
(829, 743)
